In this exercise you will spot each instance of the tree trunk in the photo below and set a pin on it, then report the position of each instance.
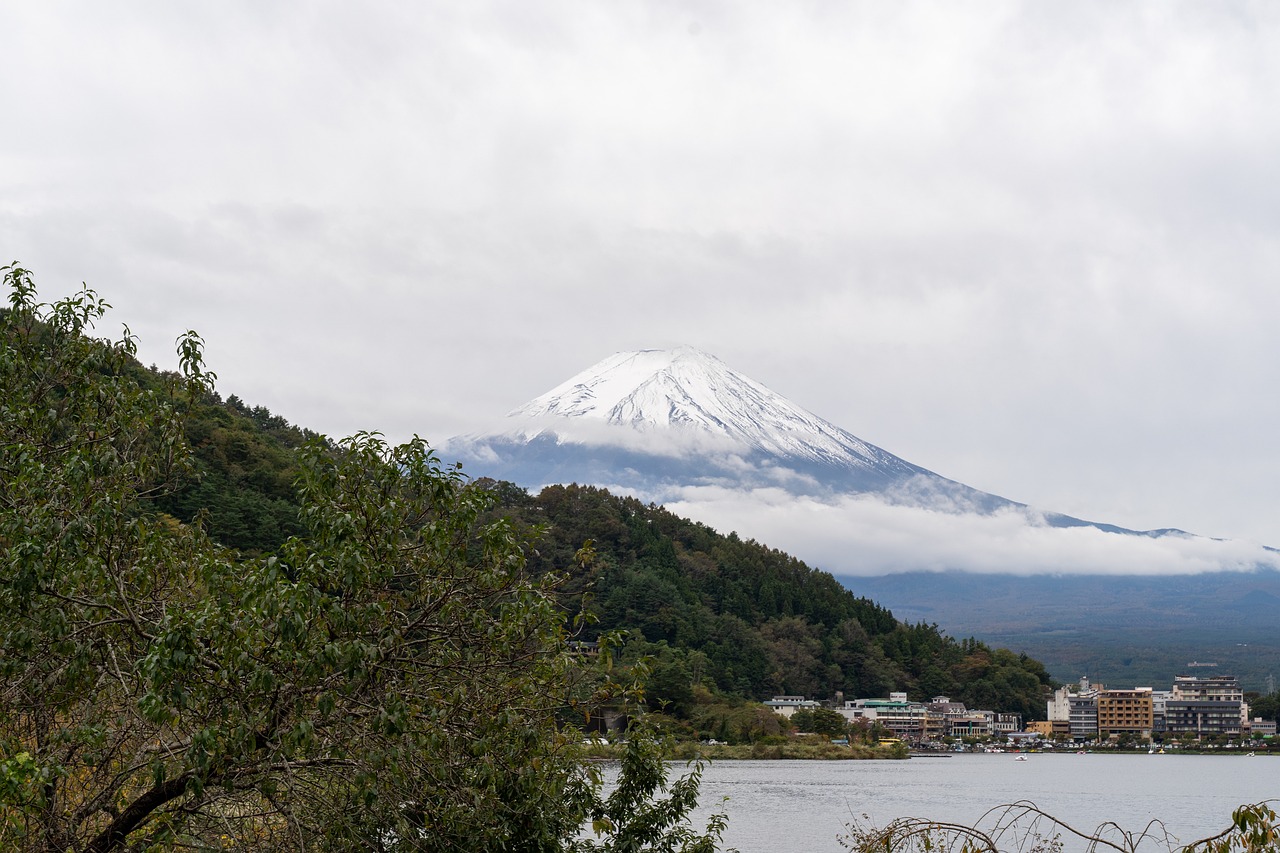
(115, 835)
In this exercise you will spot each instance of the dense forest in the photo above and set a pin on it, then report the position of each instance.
(748, 620)
(246, 466)
(753, 620)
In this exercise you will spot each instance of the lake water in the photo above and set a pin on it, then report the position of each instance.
(802, 806)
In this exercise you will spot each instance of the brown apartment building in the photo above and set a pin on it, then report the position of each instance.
(1122, 711)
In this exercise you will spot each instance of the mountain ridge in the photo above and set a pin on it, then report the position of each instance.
(1121, 630)
(655, 423)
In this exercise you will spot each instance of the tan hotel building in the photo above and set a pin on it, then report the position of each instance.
(1125, 711)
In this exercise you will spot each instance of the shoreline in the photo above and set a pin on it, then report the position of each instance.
(690, 751)
(757, 752)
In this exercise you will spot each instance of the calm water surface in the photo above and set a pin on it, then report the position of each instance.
(784, 806)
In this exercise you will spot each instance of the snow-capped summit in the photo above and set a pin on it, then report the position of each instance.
(652, 422)
(690, 391)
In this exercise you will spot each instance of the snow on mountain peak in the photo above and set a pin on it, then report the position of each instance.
(686, 394)
(611, 389)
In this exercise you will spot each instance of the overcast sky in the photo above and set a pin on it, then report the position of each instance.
(1034, 247)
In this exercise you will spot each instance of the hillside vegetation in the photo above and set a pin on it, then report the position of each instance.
(753, 620)
(748, 620)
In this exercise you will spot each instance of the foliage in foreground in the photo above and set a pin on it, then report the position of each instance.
(645, 814)
(389, 679)
(1024, 828)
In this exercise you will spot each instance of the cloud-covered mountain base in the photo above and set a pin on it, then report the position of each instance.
(854, 522)
(874, 535)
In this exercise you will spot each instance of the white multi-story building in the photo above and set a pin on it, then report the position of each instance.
(1259, 727)
(1159, 700)
(1058, 708)
(788, 705)
(1083, 715)
(905, 719)
(1006, 724)
(1215, 689)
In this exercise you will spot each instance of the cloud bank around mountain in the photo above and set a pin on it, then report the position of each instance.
(867, 535)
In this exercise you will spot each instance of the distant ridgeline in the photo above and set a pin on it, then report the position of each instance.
(1122, 629)
(749, 619)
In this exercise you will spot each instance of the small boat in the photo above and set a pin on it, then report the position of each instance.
(1020, 758)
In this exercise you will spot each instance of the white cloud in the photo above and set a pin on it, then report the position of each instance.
(867, 536)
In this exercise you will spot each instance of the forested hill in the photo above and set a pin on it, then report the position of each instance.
(245, 472)
(755, 621)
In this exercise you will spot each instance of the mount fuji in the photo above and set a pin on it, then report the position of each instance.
(656, 422)
(680, 428)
